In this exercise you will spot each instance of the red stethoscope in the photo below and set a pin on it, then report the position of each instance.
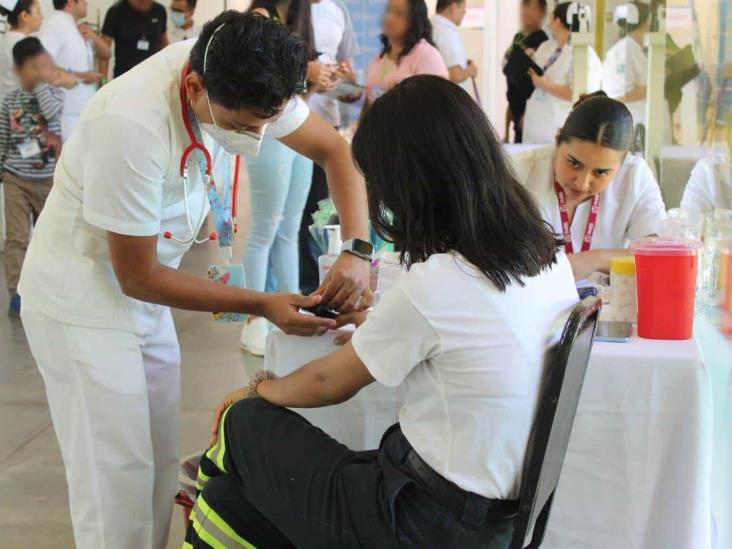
(194, 146)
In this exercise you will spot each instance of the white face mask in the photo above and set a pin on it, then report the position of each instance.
(233, 141)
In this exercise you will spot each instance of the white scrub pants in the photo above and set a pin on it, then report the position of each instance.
(114, 399)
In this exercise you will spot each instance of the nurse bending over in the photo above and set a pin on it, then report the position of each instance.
(462, 335)
(102, 269)
(598, 196)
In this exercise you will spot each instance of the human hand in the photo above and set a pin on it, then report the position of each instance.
(356, 318)
(472, 69)
(344, 71)
(320, 74)
(88, 33)
(282, 310)
(53, 143)
(538, 81)
(90, 77)
(63, 79)
(240, 394)
(346, 286)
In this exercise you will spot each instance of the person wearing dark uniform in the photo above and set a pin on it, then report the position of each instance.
(529, 38)
(138, 29)
(462, 335)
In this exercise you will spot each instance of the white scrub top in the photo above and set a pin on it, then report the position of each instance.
(446, 35)
(8, 80)
(545, 113)
(709, 187)
(119, 172)
(70, 51)
(625, 68)
(470, 359)
(631, 207)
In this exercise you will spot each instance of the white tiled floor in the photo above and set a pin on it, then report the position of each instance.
(33, 506)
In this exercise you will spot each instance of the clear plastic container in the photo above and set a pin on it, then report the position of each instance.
(623, 303)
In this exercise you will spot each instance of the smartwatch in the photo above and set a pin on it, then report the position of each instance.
(360, 248)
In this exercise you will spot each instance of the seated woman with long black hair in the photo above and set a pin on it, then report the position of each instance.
(463, 333)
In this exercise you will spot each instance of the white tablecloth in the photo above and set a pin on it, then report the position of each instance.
(648, 460)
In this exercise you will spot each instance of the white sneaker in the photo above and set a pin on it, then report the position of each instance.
(254, 336)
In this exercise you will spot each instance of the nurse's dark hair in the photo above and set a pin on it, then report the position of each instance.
(253, 62)
(13, 16)
(419, 28)
(442, 5)
(541, 3)
(560, 12)
(644, 13)
(438, 181)
(601, 120)
(25, 49)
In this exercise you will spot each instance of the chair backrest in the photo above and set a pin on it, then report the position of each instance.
(565, 364)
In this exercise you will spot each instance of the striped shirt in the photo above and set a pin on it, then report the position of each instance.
(26, 118)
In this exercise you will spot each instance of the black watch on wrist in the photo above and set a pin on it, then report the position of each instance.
(360, 248)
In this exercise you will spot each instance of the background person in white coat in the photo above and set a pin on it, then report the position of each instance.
(102, 272)
(551, 101)
(72, 46)
(593, 171)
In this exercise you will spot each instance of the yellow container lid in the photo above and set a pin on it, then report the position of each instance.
(623, 265)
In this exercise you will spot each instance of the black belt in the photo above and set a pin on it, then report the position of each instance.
(457, 500)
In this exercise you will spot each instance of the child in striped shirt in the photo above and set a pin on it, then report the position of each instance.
(30, 130)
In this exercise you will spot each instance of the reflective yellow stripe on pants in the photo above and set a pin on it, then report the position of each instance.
(213, 530)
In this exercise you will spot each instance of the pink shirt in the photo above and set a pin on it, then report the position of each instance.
(383, 74)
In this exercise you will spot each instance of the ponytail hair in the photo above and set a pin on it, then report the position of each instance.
(13, 16)
(601, 120)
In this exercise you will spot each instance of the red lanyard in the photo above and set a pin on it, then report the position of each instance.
(591, 220)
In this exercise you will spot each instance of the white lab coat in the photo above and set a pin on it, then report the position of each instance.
(111, 363)
(545, 113)
(709, 187)
(625, 68)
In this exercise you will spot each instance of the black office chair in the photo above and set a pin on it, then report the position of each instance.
(565, 364)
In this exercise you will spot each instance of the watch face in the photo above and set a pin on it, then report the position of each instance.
(362, 247)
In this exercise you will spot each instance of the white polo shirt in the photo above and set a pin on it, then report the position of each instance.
(336, 42)
(470, 360)
(545, 113)
(631, 207)
(446, 35)
(709, 186)
(119, 172)
(178, 34)
(70, 51)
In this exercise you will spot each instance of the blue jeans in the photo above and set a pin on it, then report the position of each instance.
(279, 181)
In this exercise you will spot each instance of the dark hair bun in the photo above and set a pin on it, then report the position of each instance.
(585, 96)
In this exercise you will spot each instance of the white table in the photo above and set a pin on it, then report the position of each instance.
(648, 459)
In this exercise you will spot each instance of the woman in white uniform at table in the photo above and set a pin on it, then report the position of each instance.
(551, 101)
(598, 196)
(710, 186)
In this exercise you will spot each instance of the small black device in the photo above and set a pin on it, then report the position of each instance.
(613, 332)
(322, 311)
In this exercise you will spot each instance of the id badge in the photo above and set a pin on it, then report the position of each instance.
(230, 275)
(143, 45)
(29, 148)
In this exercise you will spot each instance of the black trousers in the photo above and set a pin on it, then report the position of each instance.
(309, 251)
(276, 481)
